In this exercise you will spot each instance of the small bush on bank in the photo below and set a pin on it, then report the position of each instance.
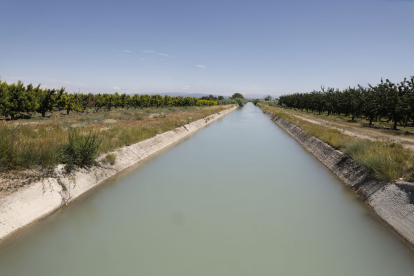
(109, 159)
(81, 150)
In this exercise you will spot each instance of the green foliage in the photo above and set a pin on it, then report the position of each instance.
(268, 98)
(7, 151)
(237, 96)
(109, 159)
(387, 161)
(394, 102)
(80, 151)
(227, 101)
(4, 99)
(238, 101)
(18, 101)
(18, 153)
(211, 98)
(46, 101)
(241, 101)
(274, 102)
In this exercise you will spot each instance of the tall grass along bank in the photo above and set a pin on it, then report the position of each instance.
(385, 160)
(30, 148)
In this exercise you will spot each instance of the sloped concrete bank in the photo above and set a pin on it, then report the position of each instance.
(393, 203)
(45, 197)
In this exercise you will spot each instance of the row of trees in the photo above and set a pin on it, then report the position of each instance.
(212, 98)
(393, 101)
(17, 100)
(236, 98)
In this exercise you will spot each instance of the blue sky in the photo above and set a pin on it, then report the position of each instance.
(213, 47)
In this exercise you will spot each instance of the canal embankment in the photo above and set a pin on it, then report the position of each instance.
(392, 202)
(44, 197)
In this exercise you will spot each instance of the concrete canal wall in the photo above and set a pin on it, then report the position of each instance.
(393, 203)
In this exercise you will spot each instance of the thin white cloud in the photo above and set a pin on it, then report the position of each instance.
(186, 87)
(116, 88)
(156, 53)
(170, 88)
(143, 59)
(201, 66)
(127, 51)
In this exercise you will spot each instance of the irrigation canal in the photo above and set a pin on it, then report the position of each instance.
(240, 197)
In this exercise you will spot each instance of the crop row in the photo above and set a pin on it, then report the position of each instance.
(17, 100)
(393, 101)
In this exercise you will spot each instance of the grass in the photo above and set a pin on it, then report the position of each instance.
(109, 159)
(37, 143)
(385, 160)
(80, 151)
(381, 125)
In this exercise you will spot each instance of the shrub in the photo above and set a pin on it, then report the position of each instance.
(80, 151)
(109, 159)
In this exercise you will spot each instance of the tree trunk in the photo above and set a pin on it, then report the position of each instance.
(370, 121)
(43, 113)
(395, 125)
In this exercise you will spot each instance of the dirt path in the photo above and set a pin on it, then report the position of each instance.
(361, 133)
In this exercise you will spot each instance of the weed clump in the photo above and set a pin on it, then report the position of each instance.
(387, 161)
(80, 151)
(109, 159)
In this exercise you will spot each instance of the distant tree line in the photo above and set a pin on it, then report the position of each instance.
(393, 101)
(212, 98)
(236, 98)
(274, 102)
(20, 101)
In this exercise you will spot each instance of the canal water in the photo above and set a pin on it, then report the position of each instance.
(239, 197)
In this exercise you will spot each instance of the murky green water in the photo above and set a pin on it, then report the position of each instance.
(240, 197)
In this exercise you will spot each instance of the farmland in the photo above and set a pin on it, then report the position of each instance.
(392, 102)
(29, 148)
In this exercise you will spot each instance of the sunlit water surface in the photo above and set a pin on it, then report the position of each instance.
(239, 197)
